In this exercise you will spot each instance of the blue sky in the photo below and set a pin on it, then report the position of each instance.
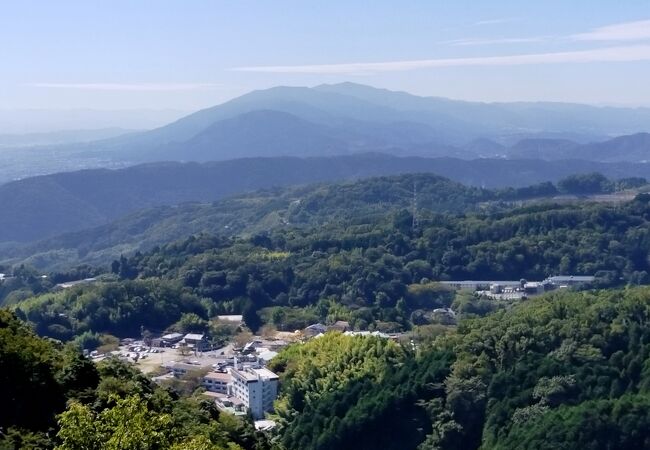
(161, 54)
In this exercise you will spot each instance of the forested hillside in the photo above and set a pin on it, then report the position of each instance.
(298, 207)
(374, 269)
(571, 362)
(564, 371)
(41, 207)
(337, 388)
(52, 396)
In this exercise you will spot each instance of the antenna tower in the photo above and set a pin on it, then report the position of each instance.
(414, 226)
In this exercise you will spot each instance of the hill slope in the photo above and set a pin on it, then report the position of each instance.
(259, 133)
(635, 147)
(563, 371)
(301, 207)
(40, 207)
(365, 119)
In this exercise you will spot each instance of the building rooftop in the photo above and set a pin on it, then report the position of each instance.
(319, 327)
(214, 395)
(244, 374)
(181, 365)
(194, 336)
(232, 318)
(264, 425)
(173, 336)
(565, 278)
(367, 333)
(234, 400)
(265, 373)
(481, 282)
(268, 355)
(166, 376)
(223, 398)
(69, 284)
(221, 376)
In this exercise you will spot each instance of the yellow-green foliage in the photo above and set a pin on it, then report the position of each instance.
(271, 256)
(566, 370)
(328, 364)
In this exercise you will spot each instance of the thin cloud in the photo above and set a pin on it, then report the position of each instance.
(496, 21)
(627, 31)
(127, 86)
(488, 41)
(608, 54)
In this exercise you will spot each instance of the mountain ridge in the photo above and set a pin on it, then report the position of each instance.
(38, 207)
(358, 110)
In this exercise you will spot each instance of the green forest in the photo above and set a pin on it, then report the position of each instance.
(54, 397)
(296, 207)
(564, 370)
(375, 272)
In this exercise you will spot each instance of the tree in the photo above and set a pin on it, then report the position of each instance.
(590, 183)
(126, 425)
(242, 338)
(251, 319)
(191, 323)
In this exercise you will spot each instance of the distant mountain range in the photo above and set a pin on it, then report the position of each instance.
(259, 211)
(634, 147)
(288, 136)
(44, 206)
(323, 205)
(350, 118)
(345, 119)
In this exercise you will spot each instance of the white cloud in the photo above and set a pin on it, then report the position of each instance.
(127, 86)
(489, 41)
(628, 31)
(607, 54)
(496, 21)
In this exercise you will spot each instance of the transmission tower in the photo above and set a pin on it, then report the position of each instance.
(414, 226)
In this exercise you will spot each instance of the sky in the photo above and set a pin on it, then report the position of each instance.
(191, 54)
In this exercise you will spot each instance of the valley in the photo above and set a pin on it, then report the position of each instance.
(309, 263)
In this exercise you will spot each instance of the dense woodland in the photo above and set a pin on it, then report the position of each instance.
(375, 271)
(54, 397)
(284, 209)
(567, 370)
(337, 388)
(570, 362)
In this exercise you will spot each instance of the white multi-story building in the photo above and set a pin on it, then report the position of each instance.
(217, 382)
(256, 388)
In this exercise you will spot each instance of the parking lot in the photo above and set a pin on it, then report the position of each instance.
(150, 359)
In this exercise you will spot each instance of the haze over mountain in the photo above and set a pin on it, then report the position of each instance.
(635, 147)
(344, 118)
(31, 121)
(341, 119)
(39, 207)
(59, 137)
